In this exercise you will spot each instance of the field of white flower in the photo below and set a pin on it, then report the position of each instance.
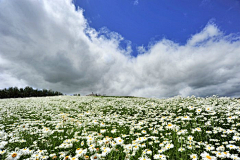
(78, 128)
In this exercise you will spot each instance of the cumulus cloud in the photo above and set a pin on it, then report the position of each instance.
(50, 45)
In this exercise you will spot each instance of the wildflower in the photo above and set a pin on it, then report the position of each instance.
(186, 118)
(2, 152)
(80, 152)
(113, 131)
(149, 151)
(161, 144)
(120, 141)
(94, 157)
(190, 138)
(144, 132)
(44, 157)
(232, 141)
(156, 156)
(206, 156)
(209, 148)
(128, 147)
(199, 110)
(113, 143)
(220, 155)
(220, 148)
(13, 156)
(144, 158)
(198, 129)
(194, 156)
(159, 156)
(46, 131)
(189, 146)
(182, 132)
(170, 126)
(90, 140)
(231, 146)
(227, 154)
(144, 152)
(41, 152)
(53, 155)
(102, 124)
(208, 109)
(62, 155)
(36, 156)
(2, 144)
(143, 145)
(161, 150)
(169, 146)
(82, 143)
(155, 132)
(135, 148)
(190, 107)
(106, 150)
(25, 151)
(102, 130)
(235, 157)
(230, 131)
(236, 138)
(181, 149)
(95, 122)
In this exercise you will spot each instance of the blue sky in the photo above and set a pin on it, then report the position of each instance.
(146, 48)
(143, 21)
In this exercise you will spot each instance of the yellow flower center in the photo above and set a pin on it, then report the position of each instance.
(54, 157)
(14, 155)
(208, 157)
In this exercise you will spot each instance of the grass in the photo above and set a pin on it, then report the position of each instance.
(113, 128)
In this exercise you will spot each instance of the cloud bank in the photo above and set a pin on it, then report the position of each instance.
(50, 45)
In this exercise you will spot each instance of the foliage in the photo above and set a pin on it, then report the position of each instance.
(14, 92)
(78, 128)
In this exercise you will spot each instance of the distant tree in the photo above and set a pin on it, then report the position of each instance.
(21, 92)
(14, 92)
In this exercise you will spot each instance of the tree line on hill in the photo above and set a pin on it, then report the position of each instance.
(14, 92)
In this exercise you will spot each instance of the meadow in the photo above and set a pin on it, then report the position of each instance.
(79, 128)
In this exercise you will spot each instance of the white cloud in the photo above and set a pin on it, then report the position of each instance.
(46, 44)
(141, 49)
(135, 2)
(208, 32)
